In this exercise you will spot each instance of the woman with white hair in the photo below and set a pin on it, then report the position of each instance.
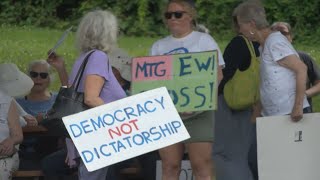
(36, 104)
(96, 36)
(12, 83)
(282, 74)
(40, 99)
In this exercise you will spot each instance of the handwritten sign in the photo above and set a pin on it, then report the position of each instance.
(185, 171)
(288, 150)
(191, 78)
(126, 128)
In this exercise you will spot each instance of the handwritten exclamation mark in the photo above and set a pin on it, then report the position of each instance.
(211, 94)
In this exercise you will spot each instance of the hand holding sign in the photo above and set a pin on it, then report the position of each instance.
(126, 128)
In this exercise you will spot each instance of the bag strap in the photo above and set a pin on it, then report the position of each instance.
(253, 55)
(250, 47)
(76, 81)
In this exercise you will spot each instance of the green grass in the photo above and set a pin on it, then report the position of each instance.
(20, 45)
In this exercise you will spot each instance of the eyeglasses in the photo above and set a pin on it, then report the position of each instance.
(43, 75)
(176, 14)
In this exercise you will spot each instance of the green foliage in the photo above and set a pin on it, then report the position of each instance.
(144, 17)
(302, 15)
(32, 12)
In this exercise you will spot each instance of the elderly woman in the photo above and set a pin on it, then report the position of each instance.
(313, 71)
(180, 19)
(12, 83)
(40, 99)
(283, 75)
(96, 34)
(36, 104)
(233, 126)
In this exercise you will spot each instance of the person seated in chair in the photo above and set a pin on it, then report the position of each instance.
(13, 83)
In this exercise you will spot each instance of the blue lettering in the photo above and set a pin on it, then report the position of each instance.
(86, 152)
(176, 125)
(172, 130)
(163, 130)
(203, 65)
(84, 126)
(201, 95)
(134, 138)
(115, 116)
(161, 102)
(95, 124)
(155, 133)
(102, 152)
(79, 132)
(96, 151)
(146, 136)
(128, 141)
(144, 69)
(113, 146)
(163, 71)
(120, 145)
(173, 96)
(104, 119)
(131, 112)
(184, 66)
(186, 96)
(211, 92)
(145, 106)
(140, 109)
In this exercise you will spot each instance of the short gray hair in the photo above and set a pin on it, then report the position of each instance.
(252, 10)
(39, 62)
(97, 30)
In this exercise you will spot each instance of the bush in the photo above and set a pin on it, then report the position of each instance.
(144, 17)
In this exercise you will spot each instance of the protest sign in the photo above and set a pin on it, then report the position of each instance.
(126, 128)
(191, 78)
(185, 171)
(288, 150)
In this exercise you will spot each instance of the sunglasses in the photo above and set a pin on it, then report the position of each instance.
(176, 14)
(43, 75)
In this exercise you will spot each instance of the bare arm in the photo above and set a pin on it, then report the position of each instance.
(92, 88)
(15, 136)
(314, 90)
(300, 69)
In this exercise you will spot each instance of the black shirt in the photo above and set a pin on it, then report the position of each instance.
(236, 56)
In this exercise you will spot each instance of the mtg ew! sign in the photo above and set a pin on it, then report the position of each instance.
(289, 150)
(126, 128)
(191, 78)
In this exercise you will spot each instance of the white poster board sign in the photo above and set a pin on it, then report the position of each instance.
(126, 128)
(289, 150)
(185, 172)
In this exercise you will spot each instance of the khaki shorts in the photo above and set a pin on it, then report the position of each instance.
(200, 127)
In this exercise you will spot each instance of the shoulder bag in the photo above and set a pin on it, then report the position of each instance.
(69, 101)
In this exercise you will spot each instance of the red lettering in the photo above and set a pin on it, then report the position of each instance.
(125, 128)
